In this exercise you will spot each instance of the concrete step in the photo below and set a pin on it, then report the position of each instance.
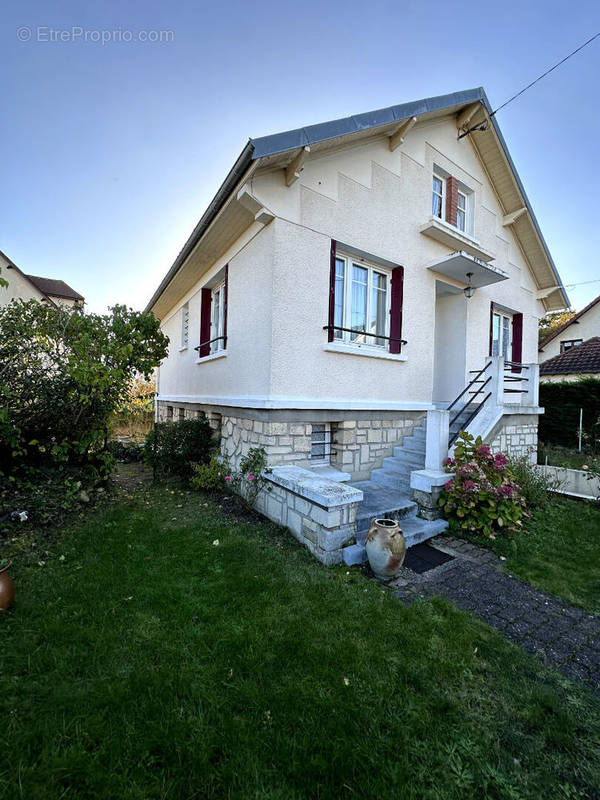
(405, 463)
(411, 445)
(400, 481)
(414, 530)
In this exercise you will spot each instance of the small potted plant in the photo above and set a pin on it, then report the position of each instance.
(7, 586)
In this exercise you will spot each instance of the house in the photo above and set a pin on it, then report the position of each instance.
(356, 292)
(578, 361)
(580, 328)
(31, 287)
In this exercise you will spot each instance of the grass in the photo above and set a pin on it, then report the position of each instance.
(166, 649)
(560, 552)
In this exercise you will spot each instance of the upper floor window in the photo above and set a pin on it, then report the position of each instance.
(362, 302)
(437, 196)
(461, 211)
(219, 310)
(568, 344)
(185, 325)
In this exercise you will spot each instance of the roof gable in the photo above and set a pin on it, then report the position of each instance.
(564, 327)
(55, 288)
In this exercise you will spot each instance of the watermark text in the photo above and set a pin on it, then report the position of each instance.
(76, 33)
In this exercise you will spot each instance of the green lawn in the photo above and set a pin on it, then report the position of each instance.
(560, 552)
(166, 650)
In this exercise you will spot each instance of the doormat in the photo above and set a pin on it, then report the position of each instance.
(422, 557)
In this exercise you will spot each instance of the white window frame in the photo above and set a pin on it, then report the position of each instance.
(465, 212)
(345, 336)
(325, 459)
(569, 344)
(218, 312)
(185, 326)
(502, 315)
(442, 216)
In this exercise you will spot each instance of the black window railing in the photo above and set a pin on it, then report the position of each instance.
(359, 332)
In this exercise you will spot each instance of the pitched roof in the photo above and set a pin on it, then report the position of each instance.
(55, 288)
(569, 322)
(581, 359)
(280, 148)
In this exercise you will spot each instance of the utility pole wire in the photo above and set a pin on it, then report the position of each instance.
(529, 85)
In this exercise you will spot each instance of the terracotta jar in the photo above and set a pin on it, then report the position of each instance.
(7, 588)
(386, 547)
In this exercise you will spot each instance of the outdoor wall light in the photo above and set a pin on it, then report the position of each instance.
(469, 290)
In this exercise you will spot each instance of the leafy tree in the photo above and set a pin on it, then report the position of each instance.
(62, 374)
(551, 322)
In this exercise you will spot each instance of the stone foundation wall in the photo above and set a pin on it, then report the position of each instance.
(360, 440)
(517, 436)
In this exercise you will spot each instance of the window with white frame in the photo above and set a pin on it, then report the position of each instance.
(185, 325)
(461, 211)
(438, 194)
(501, 334)
(320, 443)
(362, 302)
(217, 329)
(569, 344)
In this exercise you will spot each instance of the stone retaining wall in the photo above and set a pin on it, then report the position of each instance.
(517, 437)
(320, 513)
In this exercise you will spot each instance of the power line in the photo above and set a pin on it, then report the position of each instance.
(548, 71)
(583, 283)
(529, 85)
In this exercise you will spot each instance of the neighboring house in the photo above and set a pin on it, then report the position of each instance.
(582, 361)
(31, 287)
(346, 284)
(580, 328)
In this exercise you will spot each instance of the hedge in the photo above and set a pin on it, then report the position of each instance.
(562, 401)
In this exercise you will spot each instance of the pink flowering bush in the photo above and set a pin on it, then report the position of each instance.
(482, 496)
(247, 482)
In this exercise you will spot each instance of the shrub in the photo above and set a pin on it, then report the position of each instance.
(247, 482)
(535, 485)
(126, 452)
(563, 401)
(172, 447)
(482, 496)
(210, 477)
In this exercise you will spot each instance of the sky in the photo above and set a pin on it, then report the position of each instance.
(111, 150)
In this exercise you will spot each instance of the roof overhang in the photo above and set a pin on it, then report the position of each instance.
(458, 265)
(287, 150)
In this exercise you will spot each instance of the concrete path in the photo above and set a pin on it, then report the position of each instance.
(563, 636)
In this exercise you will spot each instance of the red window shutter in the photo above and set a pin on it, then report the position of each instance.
(517, 340)
(396, 309)
(226, 309)
(491, 326)
(331, 319)
(205, 303)
(451, 200)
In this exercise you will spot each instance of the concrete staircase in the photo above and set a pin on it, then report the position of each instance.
(388, 494)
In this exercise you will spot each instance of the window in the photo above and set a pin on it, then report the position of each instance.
(181, 414)
(437, 197)
(461, 212)
(569, 344)
(217, 323)
(501, 335)
(362, 298)
(185, 325)
(320, 443)
(169, 412)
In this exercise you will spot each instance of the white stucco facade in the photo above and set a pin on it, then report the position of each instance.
(375, 200)
(19, 286)
(584, 326)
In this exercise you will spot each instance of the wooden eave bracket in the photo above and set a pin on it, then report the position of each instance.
(399, 135)
(542, 294)
(508, 219)
(464, 118)
(296, 165)
(254, 206)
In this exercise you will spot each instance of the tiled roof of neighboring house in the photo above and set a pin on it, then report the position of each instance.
(570, 322)
(579, 360)
(55, 288)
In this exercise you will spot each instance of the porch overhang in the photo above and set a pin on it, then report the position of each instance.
(458, 265)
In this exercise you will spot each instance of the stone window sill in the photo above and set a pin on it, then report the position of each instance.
(358, 350)
(212, 357)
